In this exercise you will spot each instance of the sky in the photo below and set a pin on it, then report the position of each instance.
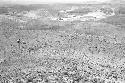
(58, 1)
(51, 1)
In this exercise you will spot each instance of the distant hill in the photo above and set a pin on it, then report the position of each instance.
(117, 1)
(117, 20)
(19, 8)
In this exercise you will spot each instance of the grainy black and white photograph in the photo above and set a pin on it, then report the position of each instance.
(62, 41)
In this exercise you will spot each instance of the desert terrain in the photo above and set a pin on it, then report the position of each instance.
(62, 43)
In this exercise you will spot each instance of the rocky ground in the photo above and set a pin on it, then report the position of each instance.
(44, 51)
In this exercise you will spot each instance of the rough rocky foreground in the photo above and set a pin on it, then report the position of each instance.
(88, 52)
(40, 50)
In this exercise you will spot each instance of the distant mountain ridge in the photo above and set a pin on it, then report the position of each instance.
(117, 2)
